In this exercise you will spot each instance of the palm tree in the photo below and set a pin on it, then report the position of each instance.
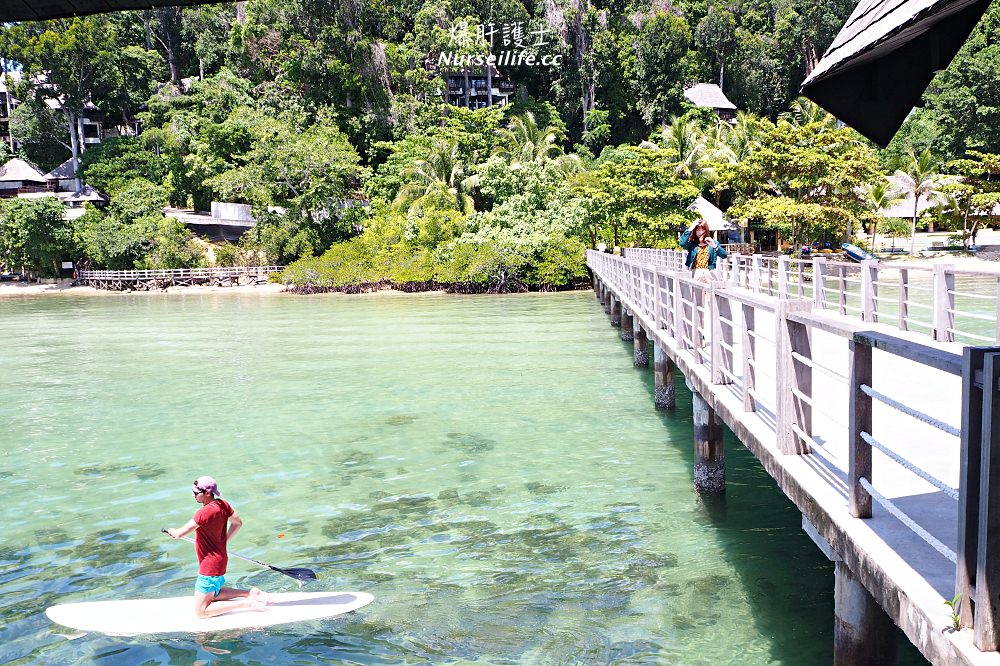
(526, 142)
(805, 112)
(745, 135)
(921, 180)
(684, 143)
(877, 197)
(717, 152)
(440, 177)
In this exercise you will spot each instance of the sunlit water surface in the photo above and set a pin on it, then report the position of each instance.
(490, 468)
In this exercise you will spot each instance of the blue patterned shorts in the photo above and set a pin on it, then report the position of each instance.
(209, 584)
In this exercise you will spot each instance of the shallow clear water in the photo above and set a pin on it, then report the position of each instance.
(491, 468)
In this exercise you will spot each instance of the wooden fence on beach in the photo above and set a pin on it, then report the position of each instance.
(145, 280)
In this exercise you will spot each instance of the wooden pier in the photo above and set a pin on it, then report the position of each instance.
(147, 280)
(850, 384)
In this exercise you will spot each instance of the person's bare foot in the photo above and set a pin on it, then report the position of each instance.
(256, 604)
(259, 596)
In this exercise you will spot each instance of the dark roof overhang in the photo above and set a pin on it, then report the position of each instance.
(879, 65)
(37, 10)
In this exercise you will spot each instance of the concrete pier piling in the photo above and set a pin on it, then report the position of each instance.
(616, 312)
(709, 458)
(627, 322)
(664, 393)
(640, 349)
(863, 634)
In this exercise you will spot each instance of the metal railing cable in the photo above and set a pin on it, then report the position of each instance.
(736, 380)
(833, 418)
(816, 366)
(818, 449)
(967, 294)
(758, 336)
(805, 437)
(895, 511)
(911, 467)
(974, 336)
(920, 416)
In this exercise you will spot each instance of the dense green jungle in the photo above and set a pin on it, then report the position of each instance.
(335, 122)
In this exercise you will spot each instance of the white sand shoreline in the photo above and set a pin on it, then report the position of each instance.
(65, 288)
(987, 258)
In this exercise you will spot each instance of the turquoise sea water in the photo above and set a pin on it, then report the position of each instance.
(490, 468)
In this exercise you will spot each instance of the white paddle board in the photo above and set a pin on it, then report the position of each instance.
(176, 614)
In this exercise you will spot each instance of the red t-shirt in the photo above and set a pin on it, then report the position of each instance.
(210, 537)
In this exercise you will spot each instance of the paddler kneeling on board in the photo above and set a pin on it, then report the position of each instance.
(214, 524)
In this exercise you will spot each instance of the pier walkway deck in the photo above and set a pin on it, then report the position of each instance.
(874, 421)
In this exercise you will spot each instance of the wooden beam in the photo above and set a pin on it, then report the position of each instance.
(859, 465)
(987, 609)
(969, 475)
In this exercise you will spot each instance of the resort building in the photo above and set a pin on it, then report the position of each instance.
(18, 177)
(91, 124)
(721, 227)
(63, 178)
(710, 96)
(22, 179)
(478, 89)
(7, 104)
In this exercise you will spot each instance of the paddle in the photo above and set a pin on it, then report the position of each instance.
(296, 573)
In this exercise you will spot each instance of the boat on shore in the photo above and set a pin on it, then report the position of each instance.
(856, 253)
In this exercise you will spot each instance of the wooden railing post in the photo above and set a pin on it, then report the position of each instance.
(970, 458)
(842, 288)
(784, 264)
(986, 623)
(659, 321)
(749, 358)
(859, 462)
(904, 299)
(734, 270)
(755, 273)
(869, 290)
(722, 337)
(649, 291)
(819, 283)
(697, 333)
(680, 321)
(670, 287)
(944, 302)
(793, 378)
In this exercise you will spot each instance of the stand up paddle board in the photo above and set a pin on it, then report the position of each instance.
(176, 614)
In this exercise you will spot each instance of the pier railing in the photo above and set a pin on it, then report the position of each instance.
(133, 279)
(770, 308)
(939, 300)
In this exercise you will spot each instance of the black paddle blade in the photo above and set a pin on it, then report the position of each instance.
(298, 574)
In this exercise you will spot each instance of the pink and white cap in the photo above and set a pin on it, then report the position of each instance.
(207, 484)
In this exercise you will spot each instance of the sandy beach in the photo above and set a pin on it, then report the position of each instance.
(988, 257)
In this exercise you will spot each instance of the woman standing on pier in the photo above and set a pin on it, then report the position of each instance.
(702, 251)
